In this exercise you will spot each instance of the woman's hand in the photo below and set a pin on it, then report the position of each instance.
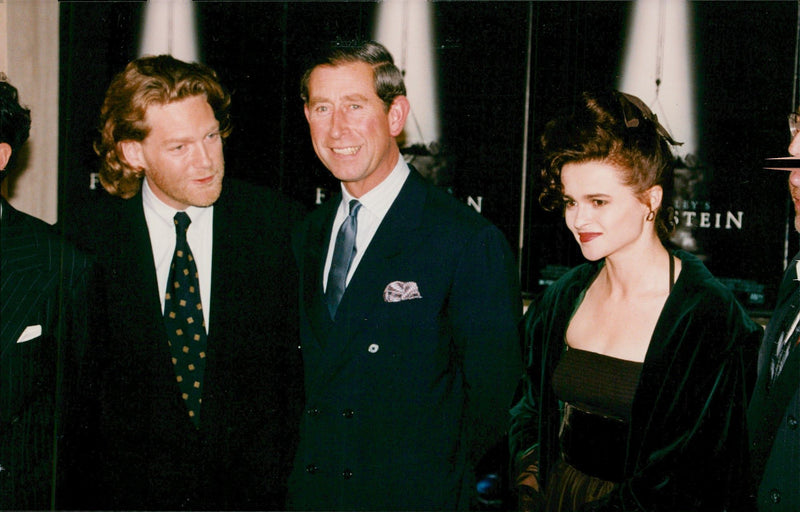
(528, 490)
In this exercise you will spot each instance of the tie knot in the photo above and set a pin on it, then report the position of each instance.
(182, 222)
(354, 207)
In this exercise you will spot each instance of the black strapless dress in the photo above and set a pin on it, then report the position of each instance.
(597, 392)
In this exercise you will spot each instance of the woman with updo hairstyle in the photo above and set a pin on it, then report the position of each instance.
(639, 361)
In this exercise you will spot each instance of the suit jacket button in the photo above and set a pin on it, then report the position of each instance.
(792, 421)
(775, 496)
(348, 413)
(347, 474)
(313, 411)
(311, 469)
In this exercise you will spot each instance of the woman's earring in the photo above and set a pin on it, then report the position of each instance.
(650, 216)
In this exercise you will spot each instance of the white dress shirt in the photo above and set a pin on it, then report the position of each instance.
(161, 226)
(374, 205)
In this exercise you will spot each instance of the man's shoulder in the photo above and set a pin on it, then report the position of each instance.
(99, 208)
(241, 198)
(326, 207)
(442, 208)
(236, 191)
(99, 218)
(26, 223)
(42, 242)
(23, 233)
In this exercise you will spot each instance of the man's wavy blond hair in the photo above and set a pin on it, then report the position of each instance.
(154, 80)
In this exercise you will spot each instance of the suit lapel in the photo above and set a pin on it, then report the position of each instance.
(24, 281)
(222, 252)
(314, 252)
(137, 269)
(134, 276)
(768, 407)
(785, 294)
(138, 251)
(395, 234)
(365, 290)
(398, 231)
(768, 404)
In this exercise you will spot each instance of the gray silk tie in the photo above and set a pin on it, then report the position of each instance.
(343, 253)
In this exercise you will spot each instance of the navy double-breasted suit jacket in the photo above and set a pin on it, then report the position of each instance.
(774, 413)
(403, 397)
(140, 449)
(43, 284)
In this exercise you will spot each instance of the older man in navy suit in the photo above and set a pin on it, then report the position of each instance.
(774, 412)
(43, 284)
(193, 376)
(408, 311)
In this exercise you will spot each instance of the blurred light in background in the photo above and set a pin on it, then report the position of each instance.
(169, 28)
(657, 67)
(405, 28)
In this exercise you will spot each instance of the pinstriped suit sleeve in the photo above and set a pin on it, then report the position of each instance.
(42, 306)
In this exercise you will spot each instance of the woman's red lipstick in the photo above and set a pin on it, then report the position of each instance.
(588, 237)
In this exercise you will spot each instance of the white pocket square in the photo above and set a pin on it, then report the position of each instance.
(399, 290)
(30, 332)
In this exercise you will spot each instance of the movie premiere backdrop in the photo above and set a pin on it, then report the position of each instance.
(483, 79)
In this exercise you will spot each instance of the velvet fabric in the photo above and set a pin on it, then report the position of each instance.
(687, 439)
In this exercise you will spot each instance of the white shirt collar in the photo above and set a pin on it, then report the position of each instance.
(378, 200)
(165, 212)
(161, 228)
(375, 205)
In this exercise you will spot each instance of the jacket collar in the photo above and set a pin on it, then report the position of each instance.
(394, 235)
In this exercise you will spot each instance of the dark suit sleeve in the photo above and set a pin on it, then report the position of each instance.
(36, 374)
(72, 353)
(485, 308)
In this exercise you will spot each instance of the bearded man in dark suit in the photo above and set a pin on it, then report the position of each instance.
(192, 399)
(409, 308)
(43, 283)
(773, 415)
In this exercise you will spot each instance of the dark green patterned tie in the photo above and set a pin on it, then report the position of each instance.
(183, 317)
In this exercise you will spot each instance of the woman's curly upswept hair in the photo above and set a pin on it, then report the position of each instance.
(615, 128)
(154, 80)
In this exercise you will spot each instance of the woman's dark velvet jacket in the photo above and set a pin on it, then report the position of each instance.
(687, 446)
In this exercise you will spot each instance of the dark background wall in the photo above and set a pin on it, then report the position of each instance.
(743, 63)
